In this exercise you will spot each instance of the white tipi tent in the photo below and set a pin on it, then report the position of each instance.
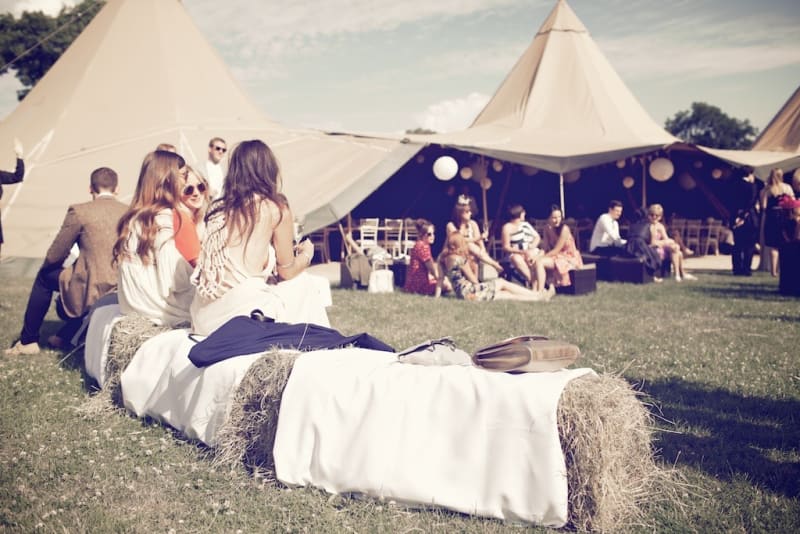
(782, 134)
(141, 74)
(562, 107)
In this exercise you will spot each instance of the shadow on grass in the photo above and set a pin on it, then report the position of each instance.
(754, 291)
(729, 434)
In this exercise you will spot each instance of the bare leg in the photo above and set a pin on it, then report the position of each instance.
(520, 263)
(542, 264)
(505, 290)
(773, 261)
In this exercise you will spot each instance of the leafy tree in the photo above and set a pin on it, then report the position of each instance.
(708, 126)
(31, 44)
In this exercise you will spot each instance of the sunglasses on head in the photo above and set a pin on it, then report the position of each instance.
(189, 189)
(220, 149)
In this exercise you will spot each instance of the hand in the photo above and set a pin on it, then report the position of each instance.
(18, 148)
(305, 247)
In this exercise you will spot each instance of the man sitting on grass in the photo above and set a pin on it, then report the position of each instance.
(92, 226)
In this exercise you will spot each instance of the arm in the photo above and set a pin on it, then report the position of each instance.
(290, 264)
(68, 235)
(506, 237)
(468, 272)
(186, 238)
(8, 178)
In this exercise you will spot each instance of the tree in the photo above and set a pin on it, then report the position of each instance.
(31, 44)
(708, 126)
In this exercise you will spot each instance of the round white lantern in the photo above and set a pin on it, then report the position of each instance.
(661, 169)
(529, 171)
(445, 168)
(465, 173)
(497, 165)
(572, 176)
(486, 183)
(620, 163)
(716, 174)
(628, 182)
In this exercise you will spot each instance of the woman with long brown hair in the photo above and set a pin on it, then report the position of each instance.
(153, 276)
(249, 237)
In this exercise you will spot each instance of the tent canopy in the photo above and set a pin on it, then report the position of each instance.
(562, 106)
(141, 74)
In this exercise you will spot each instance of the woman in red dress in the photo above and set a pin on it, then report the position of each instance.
(422, 272)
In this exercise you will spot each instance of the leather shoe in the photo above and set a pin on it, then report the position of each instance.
(19, 349)
(55, 342)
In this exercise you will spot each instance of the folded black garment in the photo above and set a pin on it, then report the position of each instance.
(243, 335)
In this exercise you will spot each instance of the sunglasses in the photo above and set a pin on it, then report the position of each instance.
(220, 149)
(189, 189)
(430, 233)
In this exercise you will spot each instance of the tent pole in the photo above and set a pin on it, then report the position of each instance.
(561, 193)
(644, 184)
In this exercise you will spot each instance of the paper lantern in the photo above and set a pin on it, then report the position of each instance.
(445, 168)
(628, 182)
(497, 165)
(698, 164)
(620, 163)
(572, 176)
(716, 174)
(661, 169)
(420, 158)
(486, 183)
(529, 171)
(465, 172)
(686, 181)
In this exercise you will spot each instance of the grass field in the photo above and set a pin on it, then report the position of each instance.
(719, 360)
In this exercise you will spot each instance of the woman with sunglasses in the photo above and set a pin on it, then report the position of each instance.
(153, 276)
(187, 218)
(249, 236)
(422, 273)
(461, 221)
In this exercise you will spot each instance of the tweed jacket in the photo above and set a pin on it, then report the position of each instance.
(93, 226)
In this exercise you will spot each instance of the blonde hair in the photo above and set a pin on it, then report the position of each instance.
(656, 209)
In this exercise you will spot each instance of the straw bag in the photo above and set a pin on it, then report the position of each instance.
(381, 279)
(527, 354)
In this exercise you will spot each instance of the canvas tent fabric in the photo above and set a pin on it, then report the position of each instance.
(782, 134)
(562, 107)
(141, 74)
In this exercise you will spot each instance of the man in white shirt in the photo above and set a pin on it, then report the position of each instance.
(606, 240)
(215, 174)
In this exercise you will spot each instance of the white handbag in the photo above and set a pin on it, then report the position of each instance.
(381, 279)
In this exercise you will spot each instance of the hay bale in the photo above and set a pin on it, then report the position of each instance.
(126, 337)
(248, 434)
(606, 435)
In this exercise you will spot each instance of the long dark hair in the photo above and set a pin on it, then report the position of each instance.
(253, 176)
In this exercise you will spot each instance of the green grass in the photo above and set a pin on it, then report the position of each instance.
(718, 359)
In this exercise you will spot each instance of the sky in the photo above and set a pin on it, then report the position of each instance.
(390, 65)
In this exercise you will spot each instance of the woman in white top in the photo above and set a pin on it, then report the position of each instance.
(153, 276)
(249, 235)
(521, 243)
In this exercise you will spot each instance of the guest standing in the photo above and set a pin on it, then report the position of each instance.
(771, 214)
(215, 174)
(8, 178)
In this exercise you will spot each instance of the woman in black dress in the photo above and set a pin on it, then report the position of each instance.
(8, 178)
(771, 214)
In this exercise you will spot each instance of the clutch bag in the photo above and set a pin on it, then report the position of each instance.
(527, 354)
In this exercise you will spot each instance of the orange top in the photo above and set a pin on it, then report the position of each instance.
(186, 239)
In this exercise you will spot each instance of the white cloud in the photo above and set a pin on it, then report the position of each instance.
(451, 115)
(49, 7)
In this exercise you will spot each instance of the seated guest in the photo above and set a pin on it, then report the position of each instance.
(561, 255)
(250, 234)
(90, 226)
(665, 247)
(606, 240)
(521, 242)
(187, 218)
(461, 221)
(422, 273)
(153, 276)
(454, 263)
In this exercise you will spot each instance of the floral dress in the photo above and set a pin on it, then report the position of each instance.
(466, 289)
(565, 261)
(417, 278)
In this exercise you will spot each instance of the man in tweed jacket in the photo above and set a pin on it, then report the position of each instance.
(92, 226)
